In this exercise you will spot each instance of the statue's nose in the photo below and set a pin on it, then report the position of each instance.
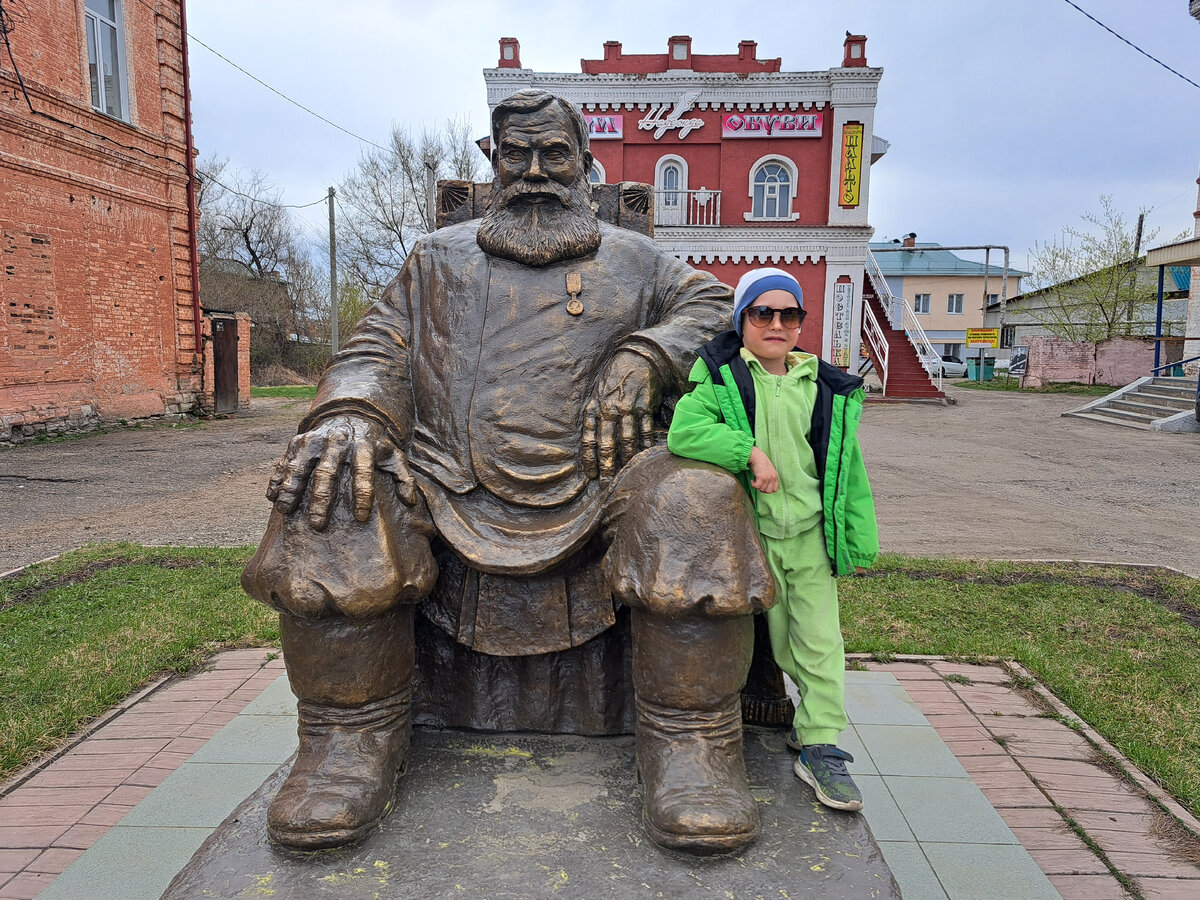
(534, 170)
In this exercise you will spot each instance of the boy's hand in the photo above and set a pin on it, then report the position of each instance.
(765, 478)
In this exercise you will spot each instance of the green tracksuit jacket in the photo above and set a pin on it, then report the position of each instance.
(715, 423)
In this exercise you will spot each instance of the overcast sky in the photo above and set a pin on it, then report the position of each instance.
(1007, 118)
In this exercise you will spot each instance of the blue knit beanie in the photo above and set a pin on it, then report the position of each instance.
(757, 282)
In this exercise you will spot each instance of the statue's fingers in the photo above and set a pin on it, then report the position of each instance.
(591, 464)
(293, 479)
(406, 485)
(645, 427)
(324, 487)
(283, 468)
(608, 448)
(362, 484)
(628, 437)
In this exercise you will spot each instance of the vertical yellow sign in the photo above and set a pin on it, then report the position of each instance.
(852, 141)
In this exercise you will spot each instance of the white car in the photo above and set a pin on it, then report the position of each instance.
(951, 366)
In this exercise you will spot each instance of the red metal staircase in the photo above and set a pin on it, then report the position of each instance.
(901, 371)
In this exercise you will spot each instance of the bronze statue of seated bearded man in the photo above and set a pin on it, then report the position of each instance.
(482, 452)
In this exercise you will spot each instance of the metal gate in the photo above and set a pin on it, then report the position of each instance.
(225, 365)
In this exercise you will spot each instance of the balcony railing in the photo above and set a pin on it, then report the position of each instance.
(695, 208)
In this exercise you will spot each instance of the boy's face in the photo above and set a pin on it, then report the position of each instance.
(771, 343)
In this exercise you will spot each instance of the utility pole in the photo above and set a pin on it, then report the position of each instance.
(1133, 265)
(430, 196)
(333, 283)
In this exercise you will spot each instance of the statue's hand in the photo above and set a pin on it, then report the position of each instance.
(317, 457)
(619, 419)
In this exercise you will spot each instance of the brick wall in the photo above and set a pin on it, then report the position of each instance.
(1122, 361)
(1119, 361)
(95, 290)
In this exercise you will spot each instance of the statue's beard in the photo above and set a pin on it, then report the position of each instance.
(560, 226)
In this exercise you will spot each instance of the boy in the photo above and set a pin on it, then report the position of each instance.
(784, 423)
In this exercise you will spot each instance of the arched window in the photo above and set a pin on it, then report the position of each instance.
(597, 174)
(772, 189)
(670, 190)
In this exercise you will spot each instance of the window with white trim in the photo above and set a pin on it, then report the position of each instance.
(773, 183)
(921, 303)
(597, 174)
(954, 304)
(670, 190)
(106, 57)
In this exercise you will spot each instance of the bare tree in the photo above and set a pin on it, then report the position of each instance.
(253, 258)
(384, 202)
(1088, 279)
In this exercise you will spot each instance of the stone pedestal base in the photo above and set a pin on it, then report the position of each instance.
(521, 815)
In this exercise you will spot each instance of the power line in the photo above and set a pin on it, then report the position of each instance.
(1131, 43)
(296, 103)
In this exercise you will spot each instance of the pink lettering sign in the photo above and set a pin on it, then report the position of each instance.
(605, 127)
(771, 125)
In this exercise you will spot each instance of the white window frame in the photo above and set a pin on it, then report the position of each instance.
(95, 24)
(952, 301)
(790, 215)
(597, 175)
(670, 210)
(921, 304)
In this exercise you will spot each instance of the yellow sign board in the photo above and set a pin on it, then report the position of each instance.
(983, 337)
(852, 146)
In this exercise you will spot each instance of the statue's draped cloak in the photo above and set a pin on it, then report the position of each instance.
(478, 371)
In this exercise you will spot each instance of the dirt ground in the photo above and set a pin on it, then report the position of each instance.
(996, 475)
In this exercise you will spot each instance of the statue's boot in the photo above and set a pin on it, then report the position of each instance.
(354, 684)
(688, 673)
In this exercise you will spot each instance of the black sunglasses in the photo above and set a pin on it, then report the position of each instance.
(762, 316)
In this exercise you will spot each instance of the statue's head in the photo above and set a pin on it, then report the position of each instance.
(540, 210)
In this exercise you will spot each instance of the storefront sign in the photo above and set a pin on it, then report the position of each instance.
(843, 306)
(983, 337)
(605, 127)
(770, 125)
(852, 140)
(660, 121)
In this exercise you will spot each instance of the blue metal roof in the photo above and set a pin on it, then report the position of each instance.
(931, 259)
(1182, 276)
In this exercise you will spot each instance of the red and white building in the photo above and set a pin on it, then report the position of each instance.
(752, 166)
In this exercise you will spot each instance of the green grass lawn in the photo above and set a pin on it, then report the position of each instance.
(1114, 643)
(291, 391)
(1011, 383)
(1119, 645)
(79, 633)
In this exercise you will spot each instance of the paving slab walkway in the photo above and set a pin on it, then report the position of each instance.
(974, 788)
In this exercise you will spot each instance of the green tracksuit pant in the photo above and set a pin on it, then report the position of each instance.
(806, 634)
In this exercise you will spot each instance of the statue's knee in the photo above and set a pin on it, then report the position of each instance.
(686, 544)
(359, 571)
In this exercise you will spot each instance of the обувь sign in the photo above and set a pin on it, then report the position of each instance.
(776, 125)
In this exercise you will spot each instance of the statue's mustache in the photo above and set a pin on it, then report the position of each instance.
(521, 190)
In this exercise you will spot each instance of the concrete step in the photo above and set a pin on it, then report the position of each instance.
(1108, 420)
(1140, 404)
(1165, 396)
(1181, 383)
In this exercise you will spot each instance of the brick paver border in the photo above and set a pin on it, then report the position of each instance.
(1087, 816)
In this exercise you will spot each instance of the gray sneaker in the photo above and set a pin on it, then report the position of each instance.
(823, 768)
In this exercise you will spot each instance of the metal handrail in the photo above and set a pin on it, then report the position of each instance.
(878, 342)
(892, 304)
(695, 207)
(1179, 362)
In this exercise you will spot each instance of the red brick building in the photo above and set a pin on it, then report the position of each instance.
(99, 318)
(752, 166)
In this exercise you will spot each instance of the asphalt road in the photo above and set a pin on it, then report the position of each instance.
(995, 476)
